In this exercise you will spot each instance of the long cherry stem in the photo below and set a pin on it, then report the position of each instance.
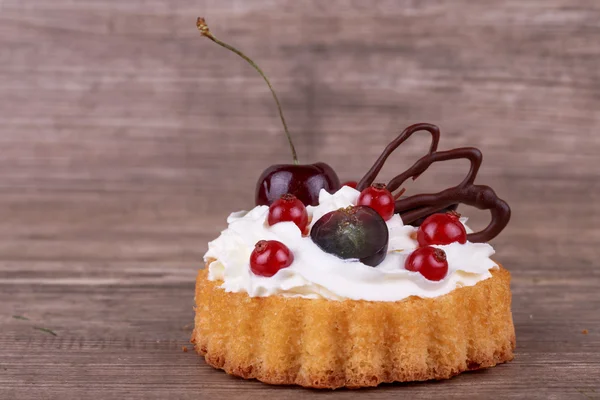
(203, 28)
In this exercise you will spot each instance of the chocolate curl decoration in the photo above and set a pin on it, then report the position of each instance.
(370, 176)
(418, 206)
(478, 196)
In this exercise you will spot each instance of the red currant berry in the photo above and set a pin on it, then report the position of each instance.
(441, 229)
(378, 198)
(269, 256)
(429, 262)
(352, 184)
(288, 208)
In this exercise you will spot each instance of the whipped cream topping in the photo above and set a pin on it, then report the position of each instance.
(316, 274)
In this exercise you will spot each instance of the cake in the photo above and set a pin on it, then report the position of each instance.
(330, 285)
(331, 344)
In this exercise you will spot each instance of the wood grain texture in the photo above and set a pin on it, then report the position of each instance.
(126, 139)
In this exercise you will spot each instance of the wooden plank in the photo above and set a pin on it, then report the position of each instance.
(126, 340)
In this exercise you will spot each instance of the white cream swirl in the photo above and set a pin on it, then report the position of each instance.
(316, 274)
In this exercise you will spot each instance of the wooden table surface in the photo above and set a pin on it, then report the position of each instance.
(126, 139)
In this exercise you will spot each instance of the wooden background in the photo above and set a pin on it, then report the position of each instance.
(126, 139)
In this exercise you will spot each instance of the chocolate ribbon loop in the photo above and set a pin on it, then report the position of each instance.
(470, 153)
(420, 205)
(389, 149)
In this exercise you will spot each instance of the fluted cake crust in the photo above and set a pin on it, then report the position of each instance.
(354, 343)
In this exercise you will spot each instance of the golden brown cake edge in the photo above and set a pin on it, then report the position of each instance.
(353, 343)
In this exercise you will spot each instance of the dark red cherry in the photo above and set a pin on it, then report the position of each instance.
(429, 261)
(351, 184)
(441, 229)
(288, 208)
(378, 198)
(303, 181)
(355, 232)
(269, 256)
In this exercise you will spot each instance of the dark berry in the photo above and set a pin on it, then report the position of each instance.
(352, 233)
(303, 181)
(351, 184)
(429, 262)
